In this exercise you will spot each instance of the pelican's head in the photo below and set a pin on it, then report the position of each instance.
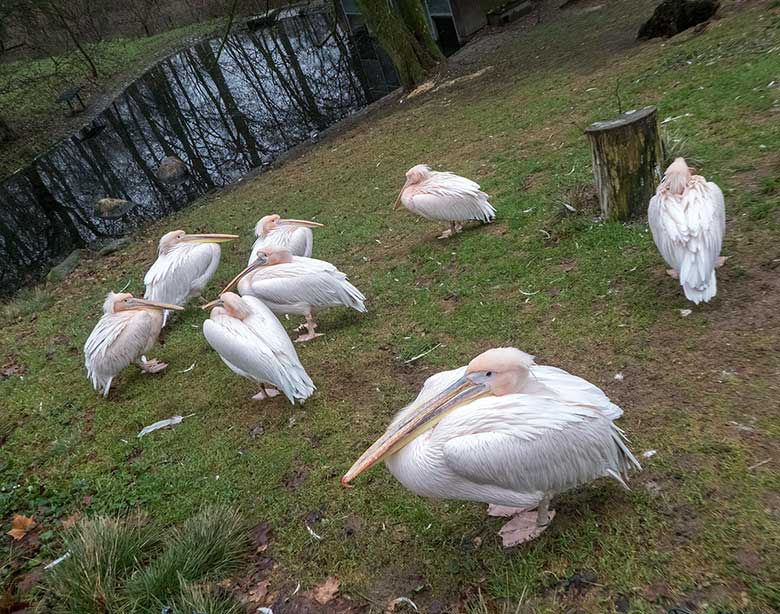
(178, 237)
(230, 303)
(496, 372)
(416, 174)
(268, 256)
(677, 176)
(273, 222)
(125, 302)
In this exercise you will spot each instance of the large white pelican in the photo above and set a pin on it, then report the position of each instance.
(687, 217)
(123, 335)
(295, 235)
(503, 431)
(184, 266)
(253, 343)
(444, 196)
(295, 285)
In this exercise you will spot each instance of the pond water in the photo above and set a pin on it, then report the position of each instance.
(222, 113)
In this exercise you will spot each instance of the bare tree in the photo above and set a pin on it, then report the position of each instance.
(144, 12)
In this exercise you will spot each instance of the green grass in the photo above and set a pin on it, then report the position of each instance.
(123, 565)
(30, 87)
(587, 296)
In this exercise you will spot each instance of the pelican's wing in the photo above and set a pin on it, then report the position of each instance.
(669, 228)
(243, 350)
(444, 196)
(256, 247)
(573, 389)
(117, 340)
(705, 217)
(301, 242)
(173, 275)
(525, 443)
(313, 282)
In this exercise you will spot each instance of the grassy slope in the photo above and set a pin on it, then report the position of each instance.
(699, 522)
(28, 103)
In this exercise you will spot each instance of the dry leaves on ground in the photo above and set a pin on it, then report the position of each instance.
(326, 592)
(20, 526)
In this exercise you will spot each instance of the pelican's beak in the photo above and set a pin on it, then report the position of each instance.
(217, 302)
(140, 303)
(261, 261)
(424, 417)
(397, 204)
(302, 223)
(209, 238)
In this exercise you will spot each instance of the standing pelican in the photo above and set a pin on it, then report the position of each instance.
(123, 335)
(295, 235)
(295, 285)
(184, 266)
(503, 431)
(253, 343)
(444, 196)
(687, 217)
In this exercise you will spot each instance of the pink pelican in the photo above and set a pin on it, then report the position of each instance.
(253, 343)
(184, 266)
(444, 196)
(123, 335)
(296, 285)
(295, 235)
(687, 217)
(506, 432)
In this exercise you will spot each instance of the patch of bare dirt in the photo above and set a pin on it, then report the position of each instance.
(12, 366)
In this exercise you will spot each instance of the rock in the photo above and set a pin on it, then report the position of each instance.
(65, 268)
(172, 169)
(113, 246)
(112, 208)
(673, 16)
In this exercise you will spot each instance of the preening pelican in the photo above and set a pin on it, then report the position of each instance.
(295, 235)
(184, 266)
(296, 285)
(503, 431)
(444, 196)
(253, 343)
(123, 335)
(687, 217)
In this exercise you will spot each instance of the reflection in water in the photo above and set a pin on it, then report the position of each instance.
(270, 90)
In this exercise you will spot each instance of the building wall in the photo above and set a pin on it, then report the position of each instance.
(469, 18)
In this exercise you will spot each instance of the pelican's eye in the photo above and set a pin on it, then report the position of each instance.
(488, 373)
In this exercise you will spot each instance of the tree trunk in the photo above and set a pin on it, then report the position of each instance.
(74, 38)
(413, 14)
(410, 57)
(627, 155)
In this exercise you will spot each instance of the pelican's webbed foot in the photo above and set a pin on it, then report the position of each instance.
(152, 366)
(524, 527)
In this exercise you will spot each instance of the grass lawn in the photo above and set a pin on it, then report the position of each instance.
(701, 525)
(29, 88)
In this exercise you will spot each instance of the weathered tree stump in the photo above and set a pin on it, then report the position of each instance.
(627, 154)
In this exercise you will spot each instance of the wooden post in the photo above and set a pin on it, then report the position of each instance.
(627, 154)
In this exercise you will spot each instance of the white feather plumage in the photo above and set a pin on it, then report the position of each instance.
(447, 197)
(688, 230)
(259, 349)
(298, 240)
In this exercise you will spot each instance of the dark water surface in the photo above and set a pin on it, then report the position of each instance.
(270, 90)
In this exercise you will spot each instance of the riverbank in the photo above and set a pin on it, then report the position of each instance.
(30, 88)
(698, 529)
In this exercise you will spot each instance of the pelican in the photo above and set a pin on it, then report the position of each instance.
(444, 196)
(687, 217)
(296, 285)
(253, 343)
(184, 266)
(123, 335)
(293, 234)
(507, 432)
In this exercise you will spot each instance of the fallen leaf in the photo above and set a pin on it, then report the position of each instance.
(326, 592)
(71, 521)
(20, 526)
(87, 500)
(259, 592)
